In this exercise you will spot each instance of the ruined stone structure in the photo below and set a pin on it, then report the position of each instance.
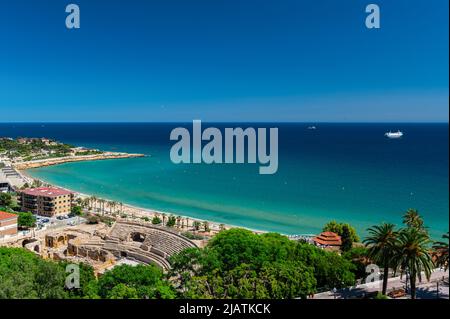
(101, 248)
(145, 243)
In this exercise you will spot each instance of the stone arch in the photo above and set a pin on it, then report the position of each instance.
(61, 239)
(137, 237)
(37, 248)
(27, 241)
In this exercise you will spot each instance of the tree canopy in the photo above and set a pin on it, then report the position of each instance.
(240, 264)
(343, 230)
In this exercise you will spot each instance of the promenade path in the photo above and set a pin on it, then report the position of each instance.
(425, 289)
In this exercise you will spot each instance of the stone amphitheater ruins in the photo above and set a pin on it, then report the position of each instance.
(102, 247)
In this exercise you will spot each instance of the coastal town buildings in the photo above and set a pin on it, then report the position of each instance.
(10, 179)
(46, 201)
(8, 224)
(5, 187)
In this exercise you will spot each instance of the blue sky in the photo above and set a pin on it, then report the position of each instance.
(224, 60)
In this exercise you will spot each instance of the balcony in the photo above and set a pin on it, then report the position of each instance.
(49, 204)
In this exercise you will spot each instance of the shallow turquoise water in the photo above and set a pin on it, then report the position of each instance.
(344, 172)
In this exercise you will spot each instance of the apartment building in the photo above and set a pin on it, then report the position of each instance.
(8, 224)
(46, 201)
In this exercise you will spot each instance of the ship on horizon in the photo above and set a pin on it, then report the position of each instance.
(397, 134)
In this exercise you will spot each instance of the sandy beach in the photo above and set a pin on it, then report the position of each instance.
(120, 210)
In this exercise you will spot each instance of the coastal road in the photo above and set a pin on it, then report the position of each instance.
(425, 289)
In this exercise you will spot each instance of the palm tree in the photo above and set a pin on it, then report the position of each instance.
(178, 221)
(196, 225)
(93, 202)
(412, 256)
(441, 248)
(86, 202)
(112, 206)
(412, 219)
(381, 242)
(102, 205)
(163, 218)
(205, 225)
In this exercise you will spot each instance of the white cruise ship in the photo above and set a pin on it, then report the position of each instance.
(390, 134)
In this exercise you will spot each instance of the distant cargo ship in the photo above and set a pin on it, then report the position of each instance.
(390, 134)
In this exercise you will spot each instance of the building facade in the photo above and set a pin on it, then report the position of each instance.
(5, 187)
(8, 224)
(46, 201)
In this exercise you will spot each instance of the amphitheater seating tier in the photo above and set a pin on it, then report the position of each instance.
(155, 244)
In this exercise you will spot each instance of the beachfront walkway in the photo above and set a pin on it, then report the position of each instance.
(425, 290)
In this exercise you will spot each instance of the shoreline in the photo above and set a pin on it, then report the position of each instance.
(127, 209)
(141, 212)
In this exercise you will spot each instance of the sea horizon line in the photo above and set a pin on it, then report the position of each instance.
(227, 122)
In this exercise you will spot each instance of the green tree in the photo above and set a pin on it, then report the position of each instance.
(330, 269)
(237, 263)
(93, 219)
(50, 280)
(412, 219)
(196, 225)
(76, 211)
(347, 239)
(359, 257)
(122, 291)
(171, 221)
(338, 228)
(26, 220)
(148, 282)
(441, 248)
(156, 220)
(6, 200)
(88, 282)
(23, 275)
(381, 244)
(205, 225)
(412, 256)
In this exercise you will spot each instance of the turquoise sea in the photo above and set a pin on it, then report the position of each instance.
(344, 172)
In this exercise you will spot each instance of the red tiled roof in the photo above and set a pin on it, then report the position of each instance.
(5, 215)
(46, 191)
(328, 238)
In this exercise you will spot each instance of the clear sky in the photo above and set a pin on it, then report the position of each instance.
(224, 60)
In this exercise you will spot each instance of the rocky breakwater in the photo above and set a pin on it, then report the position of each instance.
(68, 159)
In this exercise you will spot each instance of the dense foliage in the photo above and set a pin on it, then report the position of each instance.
(406, 250)
(76, 211)
(24, 275)
(240, 264)
(9, 204)
(127, 282)
(31, 147)
(236, 263)
(6, 200)
(26, 220)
